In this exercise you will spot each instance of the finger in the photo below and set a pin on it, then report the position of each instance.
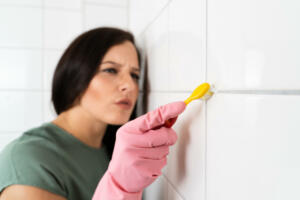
(154, 153)
(152, 138)
(150, 167)
(154, 118)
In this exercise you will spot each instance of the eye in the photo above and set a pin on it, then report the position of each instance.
(110, 70)
(135, 76)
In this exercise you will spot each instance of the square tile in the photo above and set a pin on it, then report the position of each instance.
(20, 27)
(20, 110)
(61, 28)
(253, 147)
(156, 48)
(67, 4)
(254, 47)
(20, 69)
(142, 13)
(122, 3)
(187, 45)
(51, 59)
(96, 16)
(22, 2)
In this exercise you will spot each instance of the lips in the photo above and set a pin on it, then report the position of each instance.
(125, 101)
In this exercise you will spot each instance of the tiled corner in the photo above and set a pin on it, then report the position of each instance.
(23, 110)
(253, 47)
(23, 29)
(253, 147)
(156, 47)
(20, 69)
(61, 27)
(186, 160)
(172, 194)
(187, 44)
(142, 13)
(96, 16)
(158, 190)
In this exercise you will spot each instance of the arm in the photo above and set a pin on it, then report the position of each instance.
(22, 192)
(140, 152)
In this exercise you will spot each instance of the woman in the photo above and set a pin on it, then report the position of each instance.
(94, 91)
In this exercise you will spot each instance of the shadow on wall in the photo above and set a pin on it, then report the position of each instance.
(184, 141)
(144, 90)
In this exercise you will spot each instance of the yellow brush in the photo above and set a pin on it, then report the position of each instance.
(203, 91)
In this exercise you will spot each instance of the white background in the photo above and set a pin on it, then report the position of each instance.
(241, 144)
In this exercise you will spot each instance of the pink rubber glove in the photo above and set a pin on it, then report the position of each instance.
(139, 155)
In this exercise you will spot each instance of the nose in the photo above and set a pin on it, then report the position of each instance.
(126, 83)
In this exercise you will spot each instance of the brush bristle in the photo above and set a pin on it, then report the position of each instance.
(209, 93)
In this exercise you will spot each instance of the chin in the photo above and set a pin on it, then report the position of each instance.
(118, 121)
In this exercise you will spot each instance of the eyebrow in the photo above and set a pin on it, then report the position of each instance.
(119, 65)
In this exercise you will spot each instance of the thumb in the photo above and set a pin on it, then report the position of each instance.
(155, 117)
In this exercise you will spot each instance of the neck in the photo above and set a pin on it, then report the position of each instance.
(81, 125)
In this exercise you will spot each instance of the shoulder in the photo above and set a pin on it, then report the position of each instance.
(32, 160)
(28, 192)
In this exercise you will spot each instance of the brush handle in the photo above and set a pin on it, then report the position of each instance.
(169, 123)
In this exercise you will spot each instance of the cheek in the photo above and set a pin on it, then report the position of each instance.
(94, 97)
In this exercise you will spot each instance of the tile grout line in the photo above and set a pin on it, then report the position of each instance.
(250, 92)
(155, 18)
(105, 5)
(43, 62)
(172, 185)
(205, 103)
(260, 92)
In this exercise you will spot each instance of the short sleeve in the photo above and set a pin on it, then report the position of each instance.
(31, 164)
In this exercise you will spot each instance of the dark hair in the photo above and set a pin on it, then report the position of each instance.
(78, 65)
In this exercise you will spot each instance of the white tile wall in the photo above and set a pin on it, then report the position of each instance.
(186, 30)
(61, 27)
(22, 2)
(20, 110)
(51, 58)
(254, 44)
(105, 16)
(156, 189)
(143, 12)
(33, 36)
(20, 68)
(244, 143)
(253, 147)
(117, 3)
(67, 4)
(156, 47)
(20, 26)
(183, 166)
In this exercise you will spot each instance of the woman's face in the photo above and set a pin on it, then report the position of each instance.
(113, 91)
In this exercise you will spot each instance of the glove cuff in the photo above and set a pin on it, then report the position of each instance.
(109, 189)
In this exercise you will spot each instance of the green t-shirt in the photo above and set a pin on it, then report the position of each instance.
(50, 158)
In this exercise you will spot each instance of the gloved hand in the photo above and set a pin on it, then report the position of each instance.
(139, 155)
